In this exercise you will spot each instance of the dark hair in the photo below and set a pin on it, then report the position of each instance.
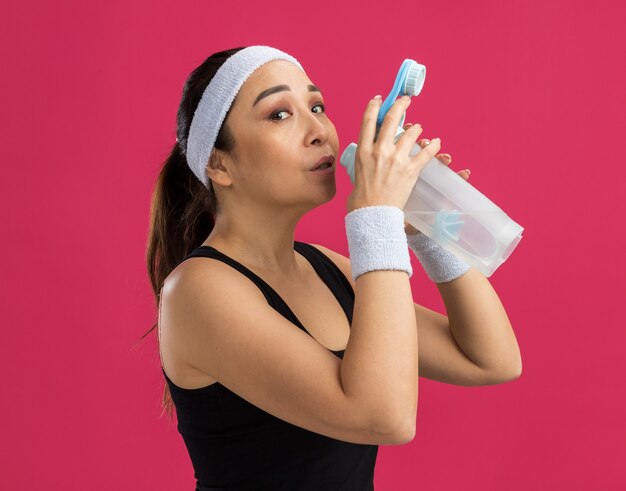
(183, 210)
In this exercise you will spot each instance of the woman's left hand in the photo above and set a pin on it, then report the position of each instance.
(446, 158)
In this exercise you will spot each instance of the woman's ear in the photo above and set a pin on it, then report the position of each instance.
(216, 170)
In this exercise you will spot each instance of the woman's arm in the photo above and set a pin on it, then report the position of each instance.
(442, 355)
(480, 325)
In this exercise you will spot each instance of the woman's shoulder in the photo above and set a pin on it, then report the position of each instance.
(200, 273)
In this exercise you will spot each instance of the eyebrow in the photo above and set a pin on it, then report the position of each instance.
(280, 88)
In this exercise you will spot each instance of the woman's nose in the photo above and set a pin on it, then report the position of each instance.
(318, 130)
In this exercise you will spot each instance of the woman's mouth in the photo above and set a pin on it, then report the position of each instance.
(325, 167)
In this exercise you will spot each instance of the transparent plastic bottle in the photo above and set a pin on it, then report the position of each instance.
(455, 214)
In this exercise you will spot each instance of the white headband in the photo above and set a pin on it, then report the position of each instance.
(217, 99)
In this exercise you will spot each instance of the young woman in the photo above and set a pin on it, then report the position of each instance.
(288, 364)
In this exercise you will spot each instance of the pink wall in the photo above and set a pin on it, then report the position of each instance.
(528, 95)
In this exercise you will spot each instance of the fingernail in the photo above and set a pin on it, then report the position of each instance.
(438, 139)
(378, 97)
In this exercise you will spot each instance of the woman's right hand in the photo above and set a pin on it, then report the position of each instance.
(385, 173)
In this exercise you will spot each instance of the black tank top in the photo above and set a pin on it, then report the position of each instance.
(236, 445)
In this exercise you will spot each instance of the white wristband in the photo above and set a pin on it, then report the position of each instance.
(376, 240)
(440, 265)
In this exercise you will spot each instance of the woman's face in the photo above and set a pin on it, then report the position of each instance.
(279, 136)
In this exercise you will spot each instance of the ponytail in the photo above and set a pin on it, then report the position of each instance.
(183, 210)
(182, 215)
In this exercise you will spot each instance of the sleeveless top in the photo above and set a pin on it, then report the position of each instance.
(234, 445)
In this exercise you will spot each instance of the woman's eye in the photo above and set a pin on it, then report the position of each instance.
(321, 105)
(276, 113)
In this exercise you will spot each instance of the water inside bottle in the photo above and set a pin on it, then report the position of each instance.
(465, 230)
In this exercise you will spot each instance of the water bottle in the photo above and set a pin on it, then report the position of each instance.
(443, 205)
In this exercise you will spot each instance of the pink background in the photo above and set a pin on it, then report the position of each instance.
(529, 95)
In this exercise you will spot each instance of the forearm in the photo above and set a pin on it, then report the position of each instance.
(479, 323)
(381, 357)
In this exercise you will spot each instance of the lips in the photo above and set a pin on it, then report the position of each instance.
(325, 162)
